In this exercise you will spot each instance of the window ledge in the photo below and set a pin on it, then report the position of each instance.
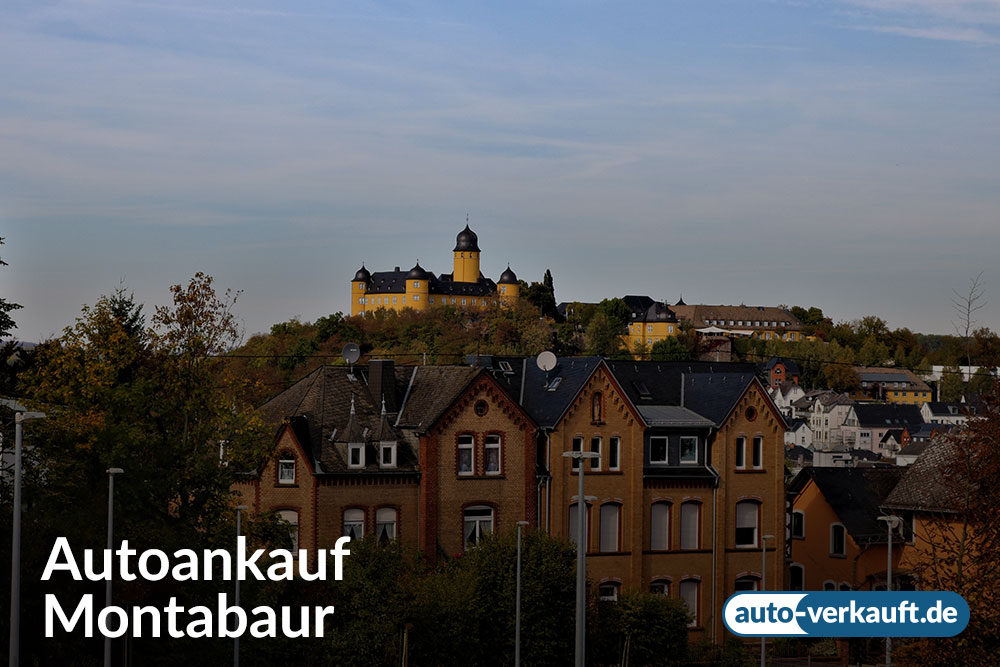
(285, 485)
(480, 477)
(751, 471)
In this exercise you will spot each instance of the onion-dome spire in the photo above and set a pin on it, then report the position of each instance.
(362, 275)
(417, 273)
(508, 277)
(467, 240)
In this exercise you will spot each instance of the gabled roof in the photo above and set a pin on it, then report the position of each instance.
(546, 396)
(942, 409)
(431, 390)
(925, 484)
(791, 368)
(646, 309)
(881, 415)
(855, 495)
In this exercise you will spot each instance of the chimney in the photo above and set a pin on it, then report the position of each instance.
(382, 383)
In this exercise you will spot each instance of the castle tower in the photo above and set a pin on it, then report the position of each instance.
(466, 257)
(417, 286)
(508, 286)
(359, 291)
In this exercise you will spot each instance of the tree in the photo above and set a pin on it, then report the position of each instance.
(952, 386)
(640, 628)
(872, 352)
(981, 382)
(669, 349)
(839, 372)
(6, 322)
(966, 305)
(603, 335)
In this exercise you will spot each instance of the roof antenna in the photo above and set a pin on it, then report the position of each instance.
(546, 361)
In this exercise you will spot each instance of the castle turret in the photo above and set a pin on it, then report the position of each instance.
(508, 287)
(417, 285)
(359, 291)
(466, 257)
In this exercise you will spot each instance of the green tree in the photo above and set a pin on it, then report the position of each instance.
(6, 321)
(981, 382)
(872, 352)
(603, 335)
(669, 349)
(839, 372)
(642, 628)
(952, 386)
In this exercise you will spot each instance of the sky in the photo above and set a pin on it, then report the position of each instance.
(838, 153)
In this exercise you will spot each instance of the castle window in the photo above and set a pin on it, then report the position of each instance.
(503, 289)
(416, 297)
(394, 299)
(432, 299)
(463, 302)
(416, 284)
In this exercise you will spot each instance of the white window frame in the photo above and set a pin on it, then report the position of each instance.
(666, 448)
(493, 443)
(843, 530)
(284, 465)
(354, 516)
(466, 443)
(386, 518)
(615, 453)
(608, 591)
(595, 463)
(688, 461)
(757, 454)
(389, 447)
(741, 453)
(754, 581)
(481, 518)
(292, 517)
(743, 507)
(660, 586)
(356, 447)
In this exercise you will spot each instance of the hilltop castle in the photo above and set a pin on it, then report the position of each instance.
(420, 289)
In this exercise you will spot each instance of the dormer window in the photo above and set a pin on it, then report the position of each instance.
(689, 449)
(286, 468)
(387, 455)
(356, 455)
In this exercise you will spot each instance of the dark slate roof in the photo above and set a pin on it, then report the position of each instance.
(875, 415)
(431, 390)
(798, 451)
(942, 409)
(393, 282)
(645, 309)
(417, 273)
(467, 241)
(445, 285)
(318, 408)
(794, 424)
(547, 407)
(362, 275)
(508, 277)
(856, 496)
(924, 485)
(672, 415)
(915, 449)
(791, 368)
(710, 389)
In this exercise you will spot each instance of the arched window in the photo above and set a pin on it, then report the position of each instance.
(385, 524)
(690, 525)
(799, 524)
(478, 522)
(689, 594)
(292, 517)
(829, 585)
(844, 586)
(608, 591)
(747, 521)
(747, 583)
(286, 468)
(610, 525)
(354, 523)
(659, 526)
(660, 587)
(574, 522)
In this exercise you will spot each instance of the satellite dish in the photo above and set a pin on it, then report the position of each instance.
(546, 361)
(351, 353)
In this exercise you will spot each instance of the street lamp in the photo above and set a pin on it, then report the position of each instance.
(517, 600)
(763, 585)
(15, 556)
(892, 522)
(581, 556)
(236, 603)
(111, 545)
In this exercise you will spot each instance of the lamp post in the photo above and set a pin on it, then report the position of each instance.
(111, 545)
(15, 555)
(517, 600)
(892, 522)
(581, 556)
(763, 586)
(236, 603)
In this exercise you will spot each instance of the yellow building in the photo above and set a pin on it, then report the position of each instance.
(649, 322)
(420, 289)
(896, 385)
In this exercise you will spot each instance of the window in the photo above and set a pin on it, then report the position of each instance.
(286, 468)
(690, 518)
(660, 587)
(416, 284)
(796, 577)
(478, 524)
(758, 452)
(481, 408)
(394, 299)
(837, 540)
(658, 450)
(466, 443)
(577, 446)
(493, 454)
(416, 297)
(292, 517)
(659, 527)
(689, 449)
(387, 455)
(463, 302)
(595, 446)
(649, 328)
(385, 524)
(354, 524)
(356, 455)
(799, 524)
(829, 586)
(614, 453)
(608, 591)
(746, 584)
(689, 594)
(597, 408)
(741, 453)
(844, 586)
(610, 515)
(747, 516)
(431, 299)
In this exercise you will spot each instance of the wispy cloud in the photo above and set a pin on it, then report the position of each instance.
(950, 34)
(966, 21)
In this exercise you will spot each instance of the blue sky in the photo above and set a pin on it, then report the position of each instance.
(840, 154)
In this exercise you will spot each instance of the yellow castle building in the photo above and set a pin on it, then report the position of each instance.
(420, 289)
